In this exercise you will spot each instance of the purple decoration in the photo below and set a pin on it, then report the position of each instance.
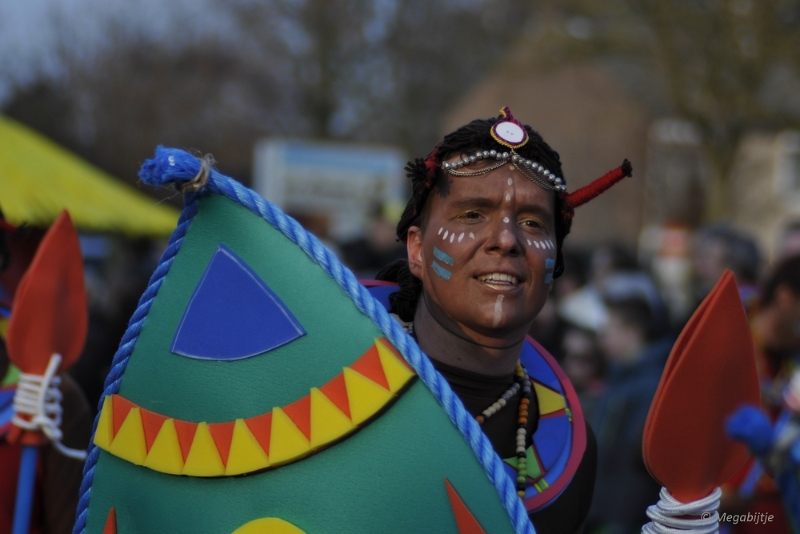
(233, 314)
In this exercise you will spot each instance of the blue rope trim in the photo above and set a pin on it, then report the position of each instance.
(177, 166)
(123, 354)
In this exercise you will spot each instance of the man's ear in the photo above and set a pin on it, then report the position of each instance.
(414, 250)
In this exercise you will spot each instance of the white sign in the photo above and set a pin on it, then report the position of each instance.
(341, 181)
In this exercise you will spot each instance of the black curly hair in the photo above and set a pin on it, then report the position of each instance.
(427, 176)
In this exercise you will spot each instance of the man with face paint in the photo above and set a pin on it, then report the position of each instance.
(484, 229)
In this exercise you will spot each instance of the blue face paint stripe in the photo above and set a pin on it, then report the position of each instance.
(441, 271)
(548, 278)
(549, 263)
(443, 256)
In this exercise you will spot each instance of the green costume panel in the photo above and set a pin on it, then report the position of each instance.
(385, 472)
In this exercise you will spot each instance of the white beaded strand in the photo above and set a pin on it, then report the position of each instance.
(533, 170)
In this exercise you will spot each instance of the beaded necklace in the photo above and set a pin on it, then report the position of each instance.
(521, 381)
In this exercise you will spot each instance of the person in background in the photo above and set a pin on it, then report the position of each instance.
(775, 323)
(636, 348)
(584, 365)
(719, 247)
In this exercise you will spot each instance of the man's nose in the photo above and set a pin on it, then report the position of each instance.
(505, 236)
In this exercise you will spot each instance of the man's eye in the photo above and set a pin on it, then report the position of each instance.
(469, 215)
(530, 223)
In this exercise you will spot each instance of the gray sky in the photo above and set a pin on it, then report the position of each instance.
(32, 31)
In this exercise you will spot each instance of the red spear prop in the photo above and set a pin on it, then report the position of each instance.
(45, 336)
(711, 372)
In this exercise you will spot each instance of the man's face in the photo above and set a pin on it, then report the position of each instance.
(487, 253)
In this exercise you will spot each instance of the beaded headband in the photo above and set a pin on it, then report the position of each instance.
(535, 172)
(510, 133)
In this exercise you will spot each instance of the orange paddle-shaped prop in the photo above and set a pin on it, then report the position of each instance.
(49, 314)
(45, 335)
(710, 372)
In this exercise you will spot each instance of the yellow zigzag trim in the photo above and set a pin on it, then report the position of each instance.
(287, 442)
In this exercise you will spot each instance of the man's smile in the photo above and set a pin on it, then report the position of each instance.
(499, 281)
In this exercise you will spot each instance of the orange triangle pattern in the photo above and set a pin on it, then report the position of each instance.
(186, 432)
(466, 522)
(336, 391)
(300, 414)
(369, 365)
(222, 434)
(385, 342)
(152, 423)
(262, 428)
(121, 407)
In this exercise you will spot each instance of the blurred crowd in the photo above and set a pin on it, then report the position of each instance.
(611, 322)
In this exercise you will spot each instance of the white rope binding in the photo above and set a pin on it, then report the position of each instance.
(669, 515)
(39, 397)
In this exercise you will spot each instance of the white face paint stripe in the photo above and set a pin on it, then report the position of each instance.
(505, 220)
(536, 243)
(510, 181)
(461, 237)
(498, 310)
(471, 235)
(445, 234)
(440, 231)
(508, 197)
(529, 242)
(452, 236)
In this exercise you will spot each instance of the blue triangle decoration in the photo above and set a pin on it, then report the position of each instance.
(233, 314)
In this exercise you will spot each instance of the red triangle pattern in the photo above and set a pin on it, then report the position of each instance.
(186, 432)
(261, 427)
(121, 407)
(300, 413)
(222, 434)
(336, 391)
(466, 522)
(369, 365)
(152, 423)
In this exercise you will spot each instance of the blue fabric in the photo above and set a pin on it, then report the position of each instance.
(551, 439)
(538, 368)
(381, 294)
(233, 314)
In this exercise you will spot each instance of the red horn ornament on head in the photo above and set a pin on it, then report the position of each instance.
(588, 192)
